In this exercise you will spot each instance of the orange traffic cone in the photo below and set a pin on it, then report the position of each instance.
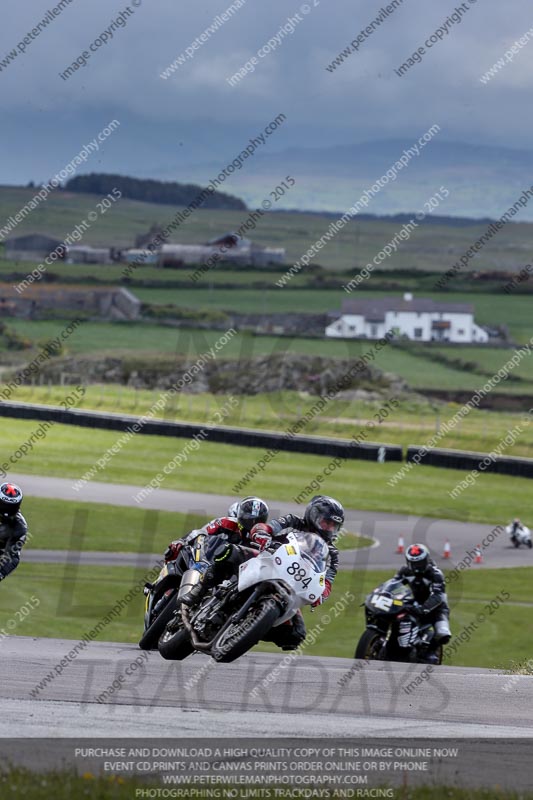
(479, 558)
(447, 549)
(401, 545)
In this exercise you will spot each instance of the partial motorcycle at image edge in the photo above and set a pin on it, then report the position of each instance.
(519, 534)
(393, 629)
(231, 618)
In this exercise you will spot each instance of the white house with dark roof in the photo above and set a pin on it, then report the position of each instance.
(420, 319)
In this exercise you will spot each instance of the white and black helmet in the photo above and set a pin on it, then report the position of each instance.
(251, 511)
(417, 558)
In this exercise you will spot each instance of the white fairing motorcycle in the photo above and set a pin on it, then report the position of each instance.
(268, 590)
(519, 534)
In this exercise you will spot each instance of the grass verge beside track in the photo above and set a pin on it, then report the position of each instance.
(219, 468)
(74, 600)
(17, 783)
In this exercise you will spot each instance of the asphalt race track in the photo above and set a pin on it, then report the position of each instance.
(199, 697)
(383, 528)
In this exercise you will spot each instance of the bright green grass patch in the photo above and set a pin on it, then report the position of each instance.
(74, 600)
(414, 421)
(71, 525)
(226, 469)
(18, 783)
(353, 541)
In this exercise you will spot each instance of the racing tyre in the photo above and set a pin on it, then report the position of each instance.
(175, 644)
(242, 636)
(369, 645)
(150, 637)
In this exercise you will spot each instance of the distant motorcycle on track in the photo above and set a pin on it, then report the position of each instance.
(519, 534)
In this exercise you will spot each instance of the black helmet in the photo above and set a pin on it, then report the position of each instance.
(417, 557)
(324, 516)
(251, 511)
(10, 499)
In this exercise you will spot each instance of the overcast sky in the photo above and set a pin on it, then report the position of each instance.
(196, 116)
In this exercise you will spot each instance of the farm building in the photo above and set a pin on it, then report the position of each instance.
(421, 319)
(230, 247)
(32, 247)
(84, 254)
(97, 302)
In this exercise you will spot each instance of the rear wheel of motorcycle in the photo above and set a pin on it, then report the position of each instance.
(530, 544)
(241, 637)
(369, 645)
(150, 637)
(175, 645)
(516, 543)
(439, 651)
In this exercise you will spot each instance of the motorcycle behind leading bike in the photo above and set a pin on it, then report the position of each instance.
(268, 590)
(162, 594)
(393, 628)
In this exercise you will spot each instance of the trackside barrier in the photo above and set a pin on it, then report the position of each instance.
(465, 460)
(315, 445)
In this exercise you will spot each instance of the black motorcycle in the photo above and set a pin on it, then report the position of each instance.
(161, 596)
(393, 629)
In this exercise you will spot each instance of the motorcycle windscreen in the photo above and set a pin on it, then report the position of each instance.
(314, 550)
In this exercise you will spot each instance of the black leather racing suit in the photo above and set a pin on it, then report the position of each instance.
(13, 535)
(429, 589)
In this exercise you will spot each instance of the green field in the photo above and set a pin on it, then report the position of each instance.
(415, 364)
(433, 247)
(228, 469)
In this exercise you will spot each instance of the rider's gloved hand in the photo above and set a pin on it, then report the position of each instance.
(260, 535)
(324, 596)
(173, 551)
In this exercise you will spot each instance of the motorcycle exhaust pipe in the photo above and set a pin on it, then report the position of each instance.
(190, 580)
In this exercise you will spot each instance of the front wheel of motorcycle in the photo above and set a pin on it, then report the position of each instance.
(150, 637)
(175, 643)
(245, 634)
(369, 645)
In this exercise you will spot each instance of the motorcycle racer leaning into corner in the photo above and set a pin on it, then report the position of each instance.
(13, 528)
(323, 516)
(241, 518)
(428, 585)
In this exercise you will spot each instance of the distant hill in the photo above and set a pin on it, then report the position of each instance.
(482, 181)
(152, 191)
